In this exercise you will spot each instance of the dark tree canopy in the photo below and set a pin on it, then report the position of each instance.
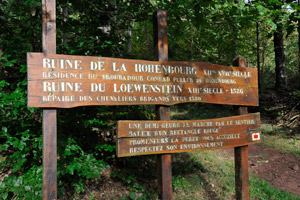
(209, 31)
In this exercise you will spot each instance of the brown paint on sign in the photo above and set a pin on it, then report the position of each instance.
(156, 137)
(69, 81)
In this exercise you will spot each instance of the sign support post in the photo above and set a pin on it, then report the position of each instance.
(49, 115)
(241, 153)
(159, 82)
(163, 112)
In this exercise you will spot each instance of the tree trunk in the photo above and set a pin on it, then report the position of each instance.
(281, 79)
(235, 33)
(258, 55)
(262, 62)
(129, 35)
(298, 29)
(65, 19)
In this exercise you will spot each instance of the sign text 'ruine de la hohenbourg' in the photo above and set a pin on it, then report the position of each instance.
(68, 81)
(157, 137)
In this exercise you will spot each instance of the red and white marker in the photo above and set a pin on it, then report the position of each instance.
(255, 136)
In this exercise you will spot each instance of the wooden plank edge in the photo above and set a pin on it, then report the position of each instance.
(78, 104)
(185, 151)
(255, 116)
(207, 64)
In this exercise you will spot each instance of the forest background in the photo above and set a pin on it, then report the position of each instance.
(265, 32)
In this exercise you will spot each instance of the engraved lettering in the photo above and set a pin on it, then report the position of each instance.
(97, 87)
(98, 65)
(123, 68)
(61, 86)
(61, 63)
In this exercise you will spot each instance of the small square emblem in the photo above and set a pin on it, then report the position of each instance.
(255, 136)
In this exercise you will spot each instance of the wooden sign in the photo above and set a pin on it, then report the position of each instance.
(156, 137)
(68, 81)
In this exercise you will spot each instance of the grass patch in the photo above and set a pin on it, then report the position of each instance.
(261, 189)
(210, 175)
(276, 137)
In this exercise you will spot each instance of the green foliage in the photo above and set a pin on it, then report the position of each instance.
(210, 31)
(133, 196)
(25, 186)
(81, 163)
(133, 187)
(265, 191)
(276, 137)
(180, 182)
(86, 135)
(215, 179)
(20, 142)
(125, 177)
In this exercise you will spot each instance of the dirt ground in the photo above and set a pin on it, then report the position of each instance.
(281, 170)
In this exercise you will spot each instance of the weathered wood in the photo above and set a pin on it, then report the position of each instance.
(49, 26)
(241, 153)
(164, 165)
(163, 128)
(164, 168)
(155, 137)
(49, 154)
(49, 115)
(241, 173)
(128, 82)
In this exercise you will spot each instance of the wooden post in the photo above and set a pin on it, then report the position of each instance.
(241, 153)
(161, 54)
(49, 115)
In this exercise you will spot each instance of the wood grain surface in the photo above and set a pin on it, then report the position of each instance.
(49, 115)
(164, 161)
(241, 153)
(156, 137)
(68, 81)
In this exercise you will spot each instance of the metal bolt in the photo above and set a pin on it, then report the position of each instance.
(49, 25)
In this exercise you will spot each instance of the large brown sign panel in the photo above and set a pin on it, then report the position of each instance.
(156, 137)
(68, 81)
